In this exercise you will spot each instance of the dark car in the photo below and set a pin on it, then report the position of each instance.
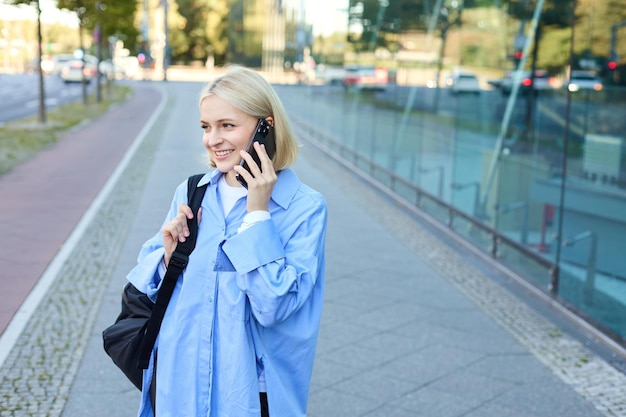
(541, 81)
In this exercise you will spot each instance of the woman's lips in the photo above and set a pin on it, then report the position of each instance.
(223, 154)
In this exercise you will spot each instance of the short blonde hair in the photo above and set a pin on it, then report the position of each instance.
(248, 91)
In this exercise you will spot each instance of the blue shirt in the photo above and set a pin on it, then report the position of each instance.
(248, 302)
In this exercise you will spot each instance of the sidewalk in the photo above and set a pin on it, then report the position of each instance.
(411, 326)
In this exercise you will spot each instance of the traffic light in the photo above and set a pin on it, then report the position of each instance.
(612, 65)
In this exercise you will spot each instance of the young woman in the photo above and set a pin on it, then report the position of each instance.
(239, 335)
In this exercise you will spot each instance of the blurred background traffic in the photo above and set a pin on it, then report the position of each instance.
(502, 120)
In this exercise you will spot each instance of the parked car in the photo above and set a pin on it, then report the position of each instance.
(59, 61)
(584, 80)
(463, 82)
(75, 71)
(541, 81)
(330, 75)
(366, 77)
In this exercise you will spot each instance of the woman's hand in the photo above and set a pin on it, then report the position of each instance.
(261, 180)
(176, 230)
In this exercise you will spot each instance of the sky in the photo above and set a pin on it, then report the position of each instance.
(327, 16)
(49, 13)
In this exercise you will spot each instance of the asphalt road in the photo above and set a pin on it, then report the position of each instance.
(19, 94)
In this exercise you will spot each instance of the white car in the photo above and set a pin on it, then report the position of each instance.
(75, 71)
(584, 80)
(59, 61)
(463, 82)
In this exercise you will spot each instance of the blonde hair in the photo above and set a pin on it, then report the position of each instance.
(248, 91)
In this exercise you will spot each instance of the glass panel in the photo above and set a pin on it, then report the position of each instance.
(486, 109)
(537, 272)
(477, 236)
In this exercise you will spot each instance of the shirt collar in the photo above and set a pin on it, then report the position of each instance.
(284, 190)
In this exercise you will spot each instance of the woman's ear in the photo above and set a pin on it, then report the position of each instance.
(270, 120)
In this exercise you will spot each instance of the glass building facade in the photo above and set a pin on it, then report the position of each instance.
(271, 35)
(505, 121)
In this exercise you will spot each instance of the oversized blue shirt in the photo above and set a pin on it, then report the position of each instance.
(248, 302)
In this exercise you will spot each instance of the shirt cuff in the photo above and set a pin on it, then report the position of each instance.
(162, 268)
(253, 218)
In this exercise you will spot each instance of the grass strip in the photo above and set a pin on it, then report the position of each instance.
(21, 139)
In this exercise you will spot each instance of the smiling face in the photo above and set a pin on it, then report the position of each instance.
(227, 130)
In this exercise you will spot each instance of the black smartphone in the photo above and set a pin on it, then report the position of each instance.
(264, 134)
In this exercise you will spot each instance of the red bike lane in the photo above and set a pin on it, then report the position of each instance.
(43, 199)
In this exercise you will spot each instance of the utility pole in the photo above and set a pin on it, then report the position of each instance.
(42, 90)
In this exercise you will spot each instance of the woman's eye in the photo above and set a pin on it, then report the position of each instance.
(204, 127)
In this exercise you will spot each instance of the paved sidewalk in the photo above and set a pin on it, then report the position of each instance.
(410, 326)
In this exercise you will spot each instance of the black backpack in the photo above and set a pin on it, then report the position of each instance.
(129, 341)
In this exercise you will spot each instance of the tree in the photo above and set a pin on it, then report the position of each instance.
(368, 23)
(193, 28)
(117, 18)
(42, 91)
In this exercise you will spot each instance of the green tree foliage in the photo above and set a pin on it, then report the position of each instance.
(193, 29)
(117, 17)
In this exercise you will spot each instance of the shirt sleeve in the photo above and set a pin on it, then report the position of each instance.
(278, 266)
(253, 218)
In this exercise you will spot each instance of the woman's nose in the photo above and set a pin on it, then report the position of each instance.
(212, 138)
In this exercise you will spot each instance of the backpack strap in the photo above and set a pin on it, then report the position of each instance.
(176, 266)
